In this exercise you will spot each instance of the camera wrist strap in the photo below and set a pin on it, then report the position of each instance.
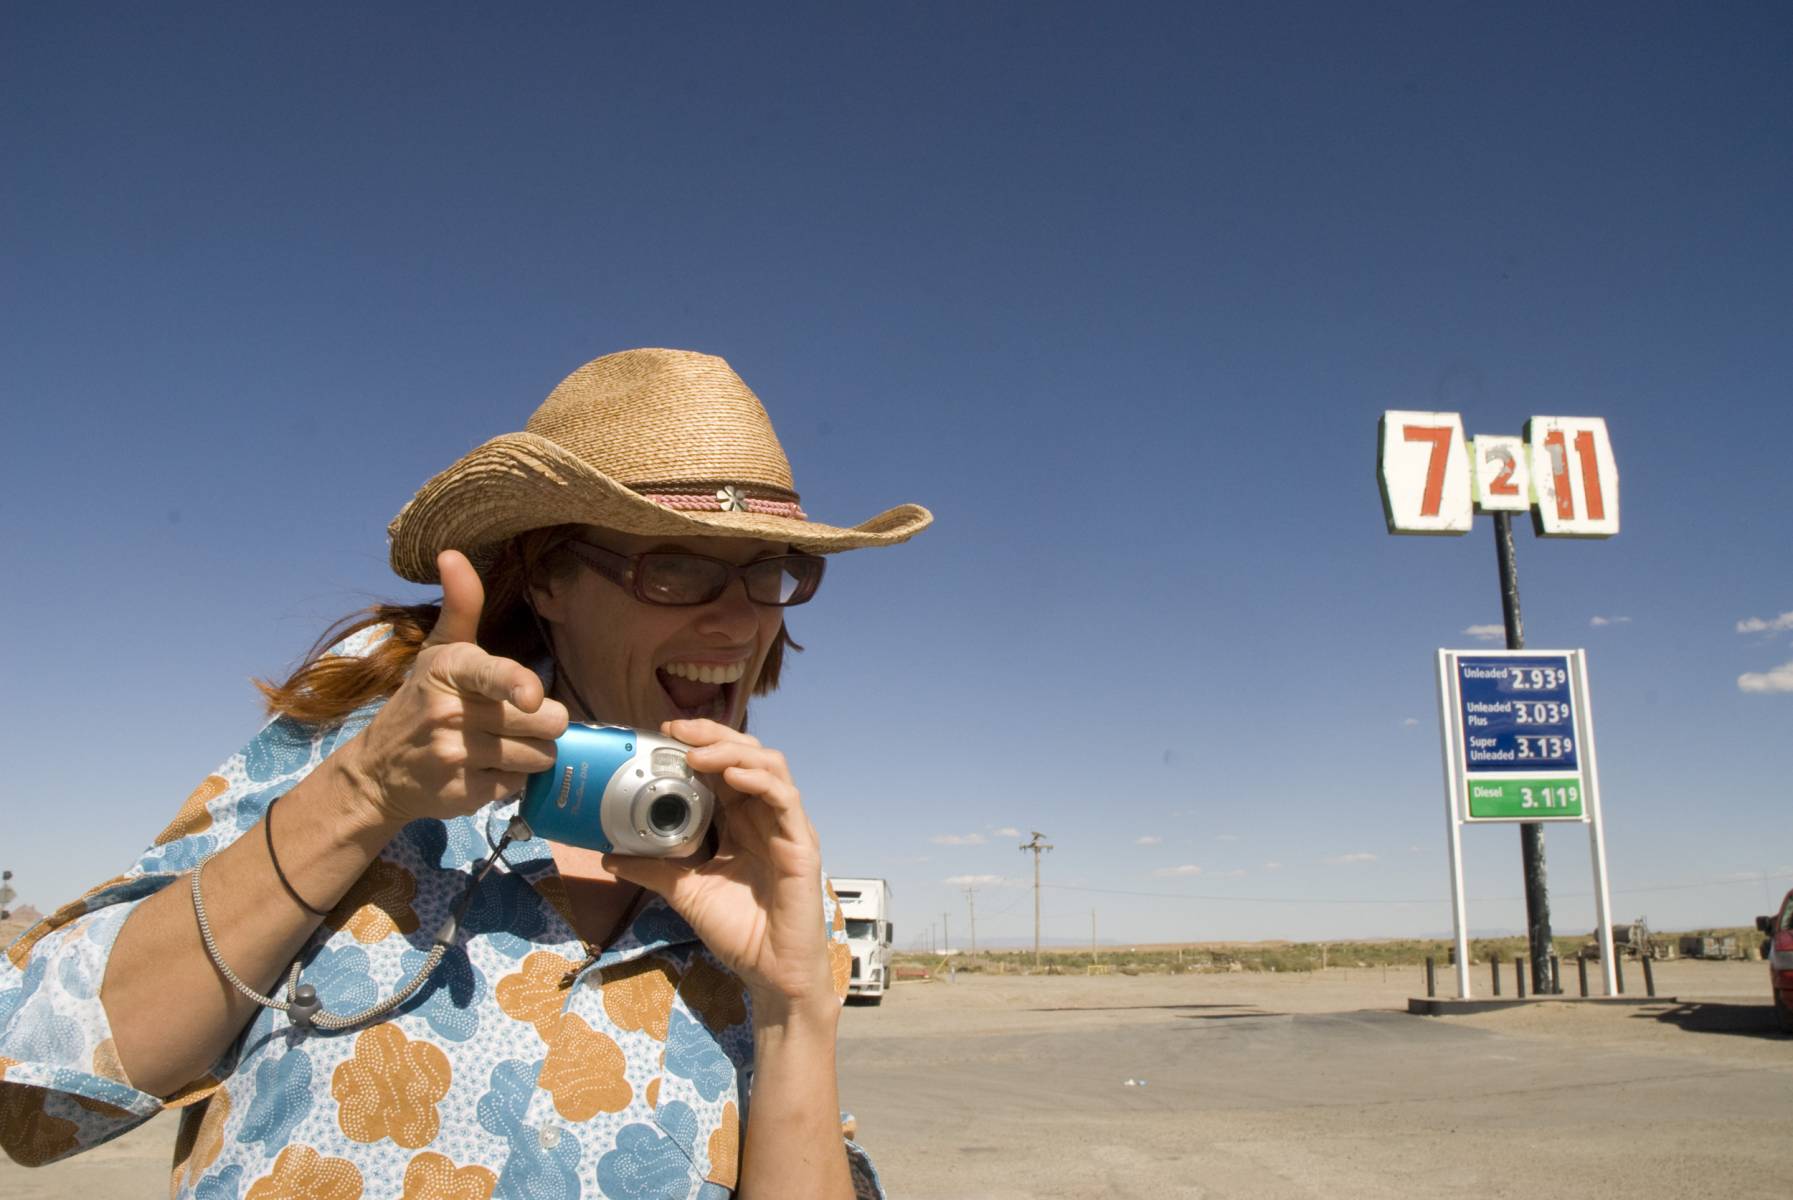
(302, 1004)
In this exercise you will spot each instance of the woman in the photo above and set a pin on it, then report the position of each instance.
(589, 1023)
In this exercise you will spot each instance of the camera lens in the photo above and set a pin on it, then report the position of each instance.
(667, 814)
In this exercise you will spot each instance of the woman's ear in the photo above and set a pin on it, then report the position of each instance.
(547, 598)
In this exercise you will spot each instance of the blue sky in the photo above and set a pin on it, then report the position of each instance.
(1119, 292)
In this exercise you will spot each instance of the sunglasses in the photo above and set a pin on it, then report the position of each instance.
(680, 580)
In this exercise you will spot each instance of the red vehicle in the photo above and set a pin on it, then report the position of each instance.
(1778, 950)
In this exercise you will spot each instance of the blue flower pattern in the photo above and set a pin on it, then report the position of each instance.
(645, 1165)
(692, 1052)
(225, 1185)
(282, 1099)
(532, 1171)
(341, 977)
(446, 1001)
(284, 1087)
(508, 912)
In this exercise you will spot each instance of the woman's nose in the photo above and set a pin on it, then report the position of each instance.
(733, 609)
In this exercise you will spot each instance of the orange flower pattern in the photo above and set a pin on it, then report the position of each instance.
(629, 1083)
(29, 1134)
(713, 994)
(193, 817)
(301, 1173)
(19, 953)
(106, 1061)
(638, 995)
(840, 965)
(378, 905)
(725, 1148)
(390, 1088)
(553, 889)
(585, 1072)
(534, 993)
(433, 1176)
(201, 1137)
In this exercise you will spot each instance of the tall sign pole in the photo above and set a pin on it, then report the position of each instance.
(1531, 833)
(1434, 481)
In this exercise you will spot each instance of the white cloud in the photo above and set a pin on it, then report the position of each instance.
(1488, 633)
(968, 880)
(1410, 722)
(1171, 872)
(1150, 839)
(1775, 679)
(958, 839)
(1272, 866)
(1596, 622)
(1780, 624)
(1341, 859)
(1007, 831)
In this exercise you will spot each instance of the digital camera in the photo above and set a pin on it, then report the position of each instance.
(618, 789)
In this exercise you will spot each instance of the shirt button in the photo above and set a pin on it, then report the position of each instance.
(549, 1137)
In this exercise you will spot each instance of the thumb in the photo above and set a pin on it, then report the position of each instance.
(463, 597)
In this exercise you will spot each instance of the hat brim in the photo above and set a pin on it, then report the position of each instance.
(521, 481)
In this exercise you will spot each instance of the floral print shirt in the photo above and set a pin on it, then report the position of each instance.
(493, 1080)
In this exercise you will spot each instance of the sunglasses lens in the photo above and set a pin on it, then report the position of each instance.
(784, 581)
(686, 579)
(680, 579)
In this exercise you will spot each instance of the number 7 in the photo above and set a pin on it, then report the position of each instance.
(1440, 437)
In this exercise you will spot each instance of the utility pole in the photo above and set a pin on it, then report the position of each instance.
(946, 942)
(971, 903)
(1093, 955)
(1037, 845)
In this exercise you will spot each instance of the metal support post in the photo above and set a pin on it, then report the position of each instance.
(1494, 969)
(1531, 834)
(1431, 976)
(1519, 976)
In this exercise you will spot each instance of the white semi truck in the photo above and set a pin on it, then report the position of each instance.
(865, 903)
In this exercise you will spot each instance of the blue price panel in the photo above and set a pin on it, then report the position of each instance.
(1517, 714)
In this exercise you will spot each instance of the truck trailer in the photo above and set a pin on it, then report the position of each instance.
(865, 903)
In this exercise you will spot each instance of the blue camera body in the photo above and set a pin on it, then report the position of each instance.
(613, 788)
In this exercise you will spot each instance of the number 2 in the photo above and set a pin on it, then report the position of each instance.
(1502, 484)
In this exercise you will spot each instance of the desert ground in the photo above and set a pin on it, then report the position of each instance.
(1270, 1086)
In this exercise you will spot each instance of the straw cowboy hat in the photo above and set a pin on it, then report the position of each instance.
(658, 442)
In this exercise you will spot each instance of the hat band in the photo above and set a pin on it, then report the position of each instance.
(727, 498)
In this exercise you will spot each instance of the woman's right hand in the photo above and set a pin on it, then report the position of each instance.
(464, 728)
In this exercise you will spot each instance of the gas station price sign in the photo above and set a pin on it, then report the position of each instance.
(1515, 733)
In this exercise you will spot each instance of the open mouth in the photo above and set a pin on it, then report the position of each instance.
(705, 690)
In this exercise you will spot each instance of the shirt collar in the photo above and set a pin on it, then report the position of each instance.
(655, 925)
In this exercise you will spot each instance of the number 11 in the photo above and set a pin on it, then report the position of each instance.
(1590, 475)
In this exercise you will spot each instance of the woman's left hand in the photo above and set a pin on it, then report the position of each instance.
(757, 904)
